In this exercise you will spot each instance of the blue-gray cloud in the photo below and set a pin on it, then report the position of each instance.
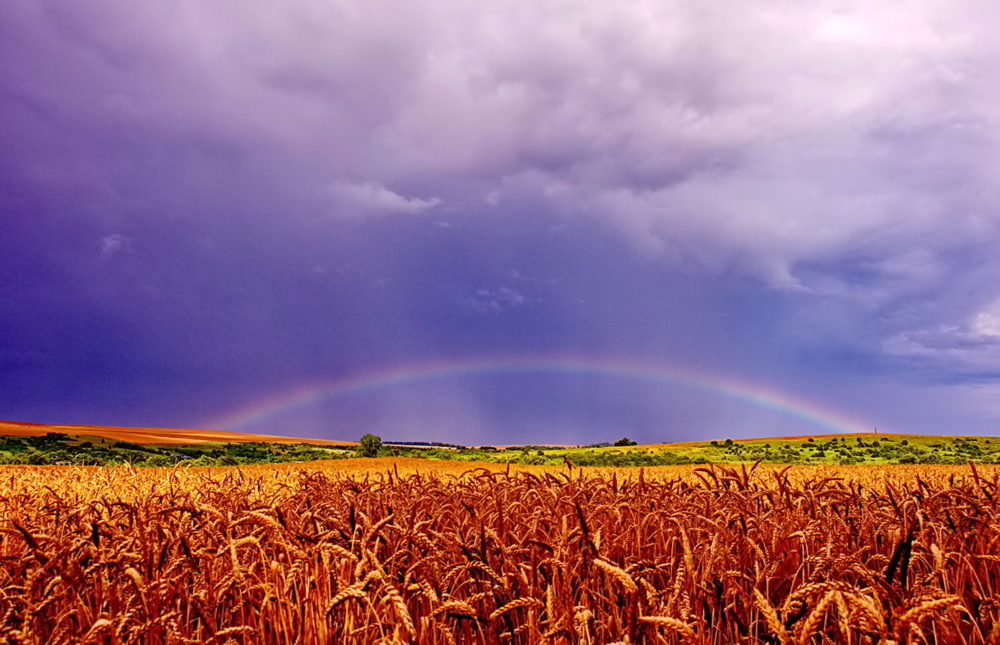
(265, 193)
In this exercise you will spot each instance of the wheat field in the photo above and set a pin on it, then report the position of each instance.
(410, 551)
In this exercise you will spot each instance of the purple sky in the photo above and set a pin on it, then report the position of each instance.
(208, 205)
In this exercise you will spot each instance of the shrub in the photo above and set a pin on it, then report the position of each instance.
(158, 461)
(370, 445)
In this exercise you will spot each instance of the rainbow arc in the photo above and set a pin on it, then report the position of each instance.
(821, 417)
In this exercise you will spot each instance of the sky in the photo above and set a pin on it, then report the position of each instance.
(507, 221)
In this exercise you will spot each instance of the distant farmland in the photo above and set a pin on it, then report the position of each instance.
(95, 445)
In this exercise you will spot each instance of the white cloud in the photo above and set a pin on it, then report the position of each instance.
(114, 244)
(495, 300)
(972, 345)
(370, 197)
(986, 324)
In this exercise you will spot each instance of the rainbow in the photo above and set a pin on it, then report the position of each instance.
(821, 417)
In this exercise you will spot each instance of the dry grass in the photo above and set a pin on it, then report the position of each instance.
(429, 552)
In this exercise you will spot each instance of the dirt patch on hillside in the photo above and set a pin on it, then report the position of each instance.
(156, 436)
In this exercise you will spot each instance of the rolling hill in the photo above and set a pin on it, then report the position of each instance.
(33, 443)
(155, 436)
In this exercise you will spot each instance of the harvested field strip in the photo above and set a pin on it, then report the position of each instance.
(304, 555)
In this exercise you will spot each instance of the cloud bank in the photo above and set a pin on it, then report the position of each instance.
(831, 166)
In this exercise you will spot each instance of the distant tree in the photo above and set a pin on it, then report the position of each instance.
(370, 445)
(625, 441)
(201, 462)
(59, 457)
(158, 461)
(88, 458)
(13, 445)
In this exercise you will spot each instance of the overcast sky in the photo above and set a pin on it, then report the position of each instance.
(208, 206)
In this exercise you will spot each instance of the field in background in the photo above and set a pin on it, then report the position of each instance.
(413, 550)
(843, 449)
(91, 445)
(36, 444)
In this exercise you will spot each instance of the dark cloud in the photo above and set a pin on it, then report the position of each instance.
(209, 202)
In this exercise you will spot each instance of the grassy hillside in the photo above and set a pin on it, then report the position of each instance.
(87, 445)
(823, 449)
(37, 444)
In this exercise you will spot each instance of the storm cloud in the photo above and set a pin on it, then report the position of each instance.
(209, 203)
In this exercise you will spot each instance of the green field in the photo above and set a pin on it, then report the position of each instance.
(86, 450)
(60, 448)
(822, 449)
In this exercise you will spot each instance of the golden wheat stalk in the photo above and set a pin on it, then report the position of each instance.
(910, 617)
(680, 627)
(516, 604)
(771, 616)
(617, 573)
(456, 607)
